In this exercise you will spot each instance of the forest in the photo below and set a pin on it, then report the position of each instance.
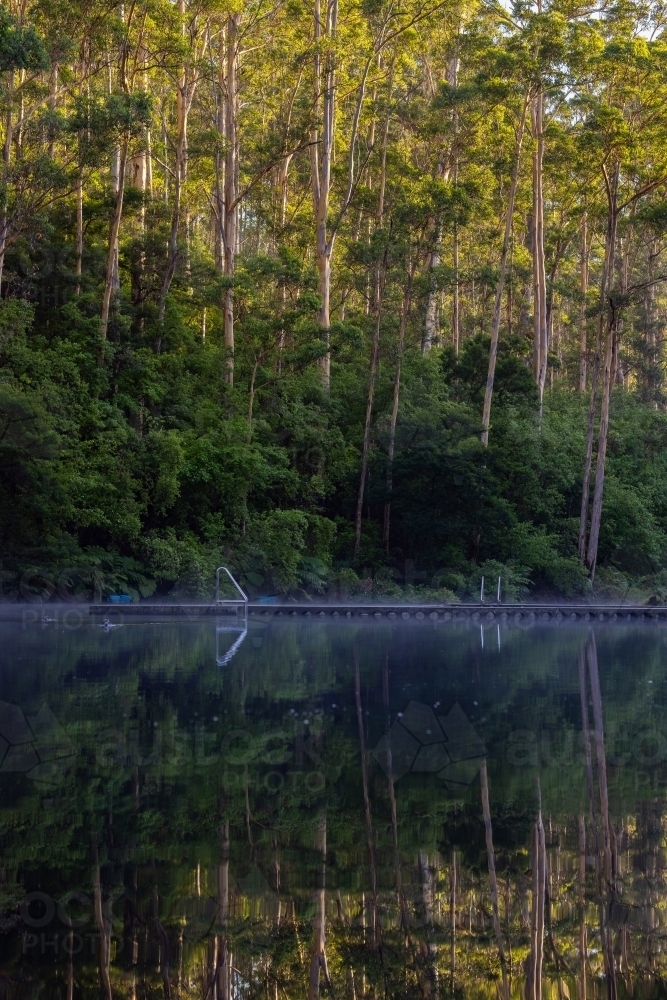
(353, 296)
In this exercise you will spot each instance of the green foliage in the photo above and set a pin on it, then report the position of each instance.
(21, 47)
(134, 458)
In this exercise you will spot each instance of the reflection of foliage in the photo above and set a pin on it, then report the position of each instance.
(169, 747)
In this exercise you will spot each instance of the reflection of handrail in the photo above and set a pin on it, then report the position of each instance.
(222, 661)
(233, 601)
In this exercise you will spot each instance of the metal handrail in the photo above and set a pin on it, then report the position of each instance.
(219, 600)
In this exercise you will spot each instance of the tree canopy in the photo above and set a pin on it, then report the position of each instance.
(345, 295)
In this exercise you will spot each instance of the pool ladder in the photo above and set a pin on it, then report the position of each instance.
(233, 602)
(222, 659)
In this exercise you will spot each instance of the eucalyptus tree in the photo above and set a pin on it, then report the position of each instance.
(625, 129)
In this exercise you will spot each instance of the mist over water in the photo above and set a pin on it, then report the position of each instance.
(371, 809)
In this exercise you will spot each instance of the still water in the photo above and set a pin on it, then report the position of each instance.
(332, 809)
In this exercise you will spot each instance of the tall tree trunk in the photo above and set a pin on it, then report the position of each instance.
(606, 283)
(405, 311)
(431, 319)
(540, 330)
(491, 861)
(378, 290)
(375, 350)
(7, 159)
(184, 97)
(324, 91)
(79, 230)
(583, 287)
(111, 270)
(495, 325)
(231, 190)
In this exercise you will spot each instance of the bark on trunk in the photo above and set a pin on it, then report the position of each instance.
(324, 93)
(111, 270)
(231, 190)
(7, 159)
(431, 320)
(495, 325)
(375, 350)
(405, 312)
(79, 231)
(540, 329)
(184, 97)
(583, 287)
(605, 285)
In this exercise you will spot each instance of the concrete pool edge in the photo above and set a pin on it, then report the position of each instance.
(439, 612)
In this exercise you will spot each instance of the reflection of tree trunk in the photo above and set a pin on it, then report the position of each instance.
(491, 860)
(534, 963)
(596, 698)
(398, 874)
(70, 966)
(429, 946)
(165, 948)
(223, 977)
(367, 804)
(103, 925)
(452, 919)
(318, 955)
(583, 936)
(606, 892)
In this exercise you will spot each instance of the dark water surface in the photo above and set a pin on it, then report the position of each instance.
(332, 809)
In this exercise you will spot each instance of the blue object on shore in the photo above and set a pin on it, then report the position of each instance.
(120, 598)
(268, 600)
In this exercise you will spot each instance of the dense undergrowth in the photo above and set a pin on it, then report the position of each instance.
(139, 478)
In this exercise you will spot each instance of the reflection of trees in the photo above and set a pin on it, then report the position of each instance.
(208, 887)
